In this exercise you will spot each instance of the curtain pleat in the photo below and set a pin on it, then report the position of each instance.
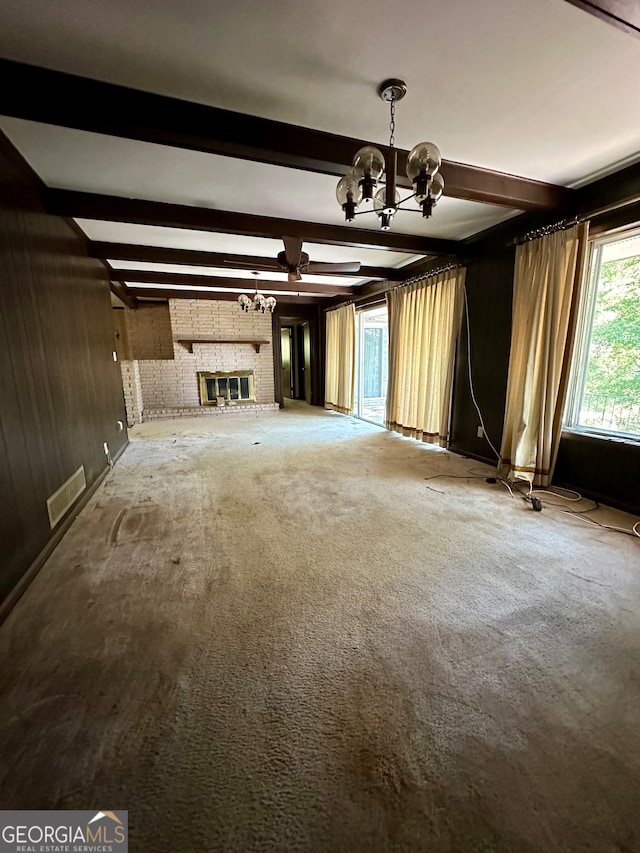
(339, 370)
(545, 288)
(424, 320)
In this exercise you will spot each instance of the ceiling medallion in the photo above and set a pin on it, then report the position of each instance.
(370, 170)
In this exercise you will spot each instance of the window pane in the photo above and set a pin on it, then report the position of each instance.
(610, 397)
(234, 388)
(223, 388)
(244, 387)
(211, 389)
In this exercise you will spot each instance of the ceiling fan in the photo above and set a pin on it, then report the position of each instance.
(296, 262)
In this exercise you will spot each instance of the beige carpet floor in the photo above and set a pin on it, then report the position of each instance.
(274, 634)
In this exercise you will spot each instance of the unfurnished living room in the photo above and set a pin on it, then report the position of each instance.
(320, 426)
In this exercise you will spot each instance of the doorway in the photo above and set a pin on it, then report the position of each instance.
(295, 351)
(372, 364)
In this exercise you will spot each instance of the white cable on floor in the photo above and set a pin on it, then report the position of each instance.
(473, 395)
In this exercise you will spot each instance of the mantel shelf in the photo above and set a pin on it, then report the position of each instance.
(189, 342)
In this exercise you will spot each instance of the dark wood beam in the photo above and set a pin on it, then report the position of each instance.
(216, 282)
(285, 298)
(220, 260)
(623, 14)
(116, 209)
(66, 100)
(119, 289)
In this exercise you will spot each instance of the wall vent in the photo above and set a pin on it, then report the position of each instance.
(61, 500)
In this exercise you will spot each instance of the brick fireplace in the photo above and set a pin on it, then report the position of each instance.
(165, 349)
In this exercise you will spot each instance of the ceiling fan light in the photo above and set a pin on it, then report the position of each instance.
(423, 162)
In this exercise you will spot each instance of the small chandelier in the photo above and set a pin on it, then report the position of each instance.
(360, 185)
(259, 302)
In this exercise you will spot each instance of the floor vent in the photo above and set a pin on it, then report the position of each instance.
(60, 501)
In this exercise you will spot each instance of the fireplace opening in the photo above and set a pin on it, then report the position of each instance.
(226, 388)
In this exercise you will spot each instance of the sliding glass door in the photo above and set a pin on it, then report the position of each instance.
(372, 359)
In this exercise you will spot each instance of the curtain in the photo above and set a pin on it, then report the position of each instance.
(424, 320)
(545, 292)
(339, 370)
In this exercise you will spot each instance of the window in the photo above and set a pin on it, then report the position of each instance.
(604, 390)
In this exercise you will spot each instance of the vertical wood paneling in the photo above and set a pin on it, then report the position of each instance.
(60, 390)
(604, 469)
(489, 284)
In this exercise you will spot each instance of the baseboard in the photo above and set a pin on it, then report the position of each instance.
(467, 455)
(19, 589)
(606, 500)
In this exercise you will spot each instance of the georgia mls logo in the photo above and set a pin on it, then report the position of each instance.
(63, 832)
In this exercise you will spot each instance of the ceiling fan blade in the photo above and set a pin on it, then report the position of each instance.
(353, 266)
(294, 276)
(292, 250)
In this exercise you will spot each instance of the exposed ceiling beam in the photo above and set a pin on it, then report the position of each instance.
(623, 14)
(66, 100)
(116, 209)
(284, 299)
(217, 282)
(220, 260)
(120, 290)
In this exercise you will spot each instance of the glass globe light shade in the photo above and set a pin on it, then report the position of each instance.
(348, 191)
(270, 303)
(369, 163)
(437, 187)
(380, 201)
(385, 214)
(424, 159)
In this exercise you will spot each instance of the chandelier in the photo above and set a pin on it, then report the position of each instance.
(370, 170)
(259, 302)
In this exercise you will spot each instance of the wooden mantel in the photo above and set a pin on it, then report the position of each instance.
(189, 342)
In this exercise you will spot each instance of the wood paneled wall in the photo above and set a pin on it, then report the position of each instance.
(604, 469)
(60, 390)
(489, 284)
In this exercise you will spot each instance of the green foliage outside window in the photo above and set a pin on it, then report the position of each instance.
(612, 382)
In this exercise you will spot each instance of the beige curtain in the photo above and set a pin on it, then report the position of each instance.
(545, 292)
(424, 320)
(339, 370)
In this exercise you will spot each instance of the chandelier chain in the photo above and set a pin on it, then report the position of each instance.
(392, 123)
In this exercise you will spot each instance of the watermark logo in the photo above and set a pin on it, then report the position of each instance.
(64, 831)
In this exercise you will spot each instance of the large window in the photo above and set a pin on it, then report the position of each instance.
(604, 392)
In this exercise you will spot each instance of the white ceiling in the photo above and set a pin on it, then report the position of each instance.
(540, 89)
(76, 160)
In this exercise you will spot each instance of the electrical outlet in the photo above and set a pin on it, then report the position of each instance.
(480, 432)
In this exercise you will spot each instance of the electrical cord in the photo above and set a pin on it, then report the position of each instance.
(473, 395)
(532, 495)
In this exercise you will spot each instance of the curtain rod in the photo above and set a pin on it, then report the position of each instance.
(544, 231)
(576, 220)
(381, 297)
(453, 265)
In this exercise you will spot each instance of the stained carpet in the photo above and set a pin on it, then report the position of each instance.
(274, 634)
